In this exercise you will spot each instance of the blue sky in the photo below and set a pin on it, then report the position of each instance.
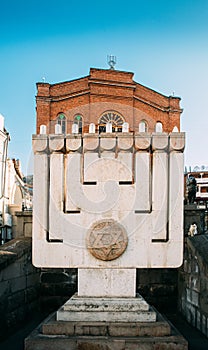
(165, 44)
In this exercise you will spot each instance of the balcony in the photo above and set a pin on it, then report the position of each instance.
(202, 195)
(203, 180)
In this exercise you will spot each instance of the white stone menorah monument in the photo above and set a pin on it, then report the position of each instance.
(108, 204)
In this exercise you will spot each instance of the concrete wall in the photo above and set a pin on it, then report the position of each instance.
(19, 284)
(193, 283)
(24, 223)
(12, 210)
(21, 221)
(25, 289)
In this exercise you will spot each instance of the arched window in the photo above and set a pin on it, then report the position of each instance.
(143, 127)
(159, 127)
(61, 120)
(112, 117)
(79, 121)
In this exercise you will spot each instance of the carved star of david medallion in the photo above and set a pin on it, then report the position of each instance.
(107, 240)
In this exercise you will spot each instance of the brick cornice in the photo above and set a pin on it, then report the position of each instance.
(112, 83)
(159, 107)
(62, 97)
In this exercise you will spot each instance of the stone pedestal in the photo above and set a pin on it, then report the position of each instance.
(105, 324)
(88, 309)
(119, 321)
(107, 283)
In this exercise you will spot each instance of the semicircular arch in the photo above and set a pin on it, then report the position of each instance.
(113, 117)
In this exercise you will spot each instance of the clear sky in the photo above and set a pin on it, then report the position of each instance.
(165, 43)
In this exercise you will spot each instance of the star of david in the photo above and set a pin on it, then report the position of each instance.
(107, 245)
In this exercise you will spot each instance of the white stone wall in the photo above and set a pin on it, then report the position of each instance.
(135, 180)
(193, 282)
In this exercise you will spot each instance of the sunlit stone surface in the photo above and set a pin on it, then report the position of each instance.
(108, 201)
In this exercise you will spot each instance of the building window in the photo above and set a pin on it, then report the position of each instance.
(79, 121)
(159, 127)
(143, 127)
(112, 117)
(61, 120)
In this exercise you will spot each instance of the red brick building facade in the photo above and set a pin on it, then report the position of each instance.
(105, 95)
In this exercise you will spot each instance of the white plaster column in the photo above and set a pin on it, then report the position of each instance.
(107, 282)
(56, 183)
(73, 181)
(72, 171)
(142, 173)
(160, 186)
(56, 200)
(40, 188)
(176, 188)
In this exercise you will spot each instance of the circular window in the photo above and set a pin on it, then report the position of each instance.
(111, 117)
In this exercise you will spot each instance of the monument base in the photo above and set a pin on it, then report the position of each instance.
(87, 309)
(105, 324)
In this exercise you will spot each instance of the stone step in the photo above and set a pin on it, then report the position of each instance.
(59, 335)
(76, 303)
(106, 310)
(40, 342)
(143, 316)
(132, 329)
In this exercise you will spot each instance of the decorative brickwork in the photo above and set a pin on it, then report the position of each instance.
(104, 90)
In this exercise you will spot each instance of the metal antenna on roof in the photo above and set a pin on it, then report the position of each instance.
(111, 61)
